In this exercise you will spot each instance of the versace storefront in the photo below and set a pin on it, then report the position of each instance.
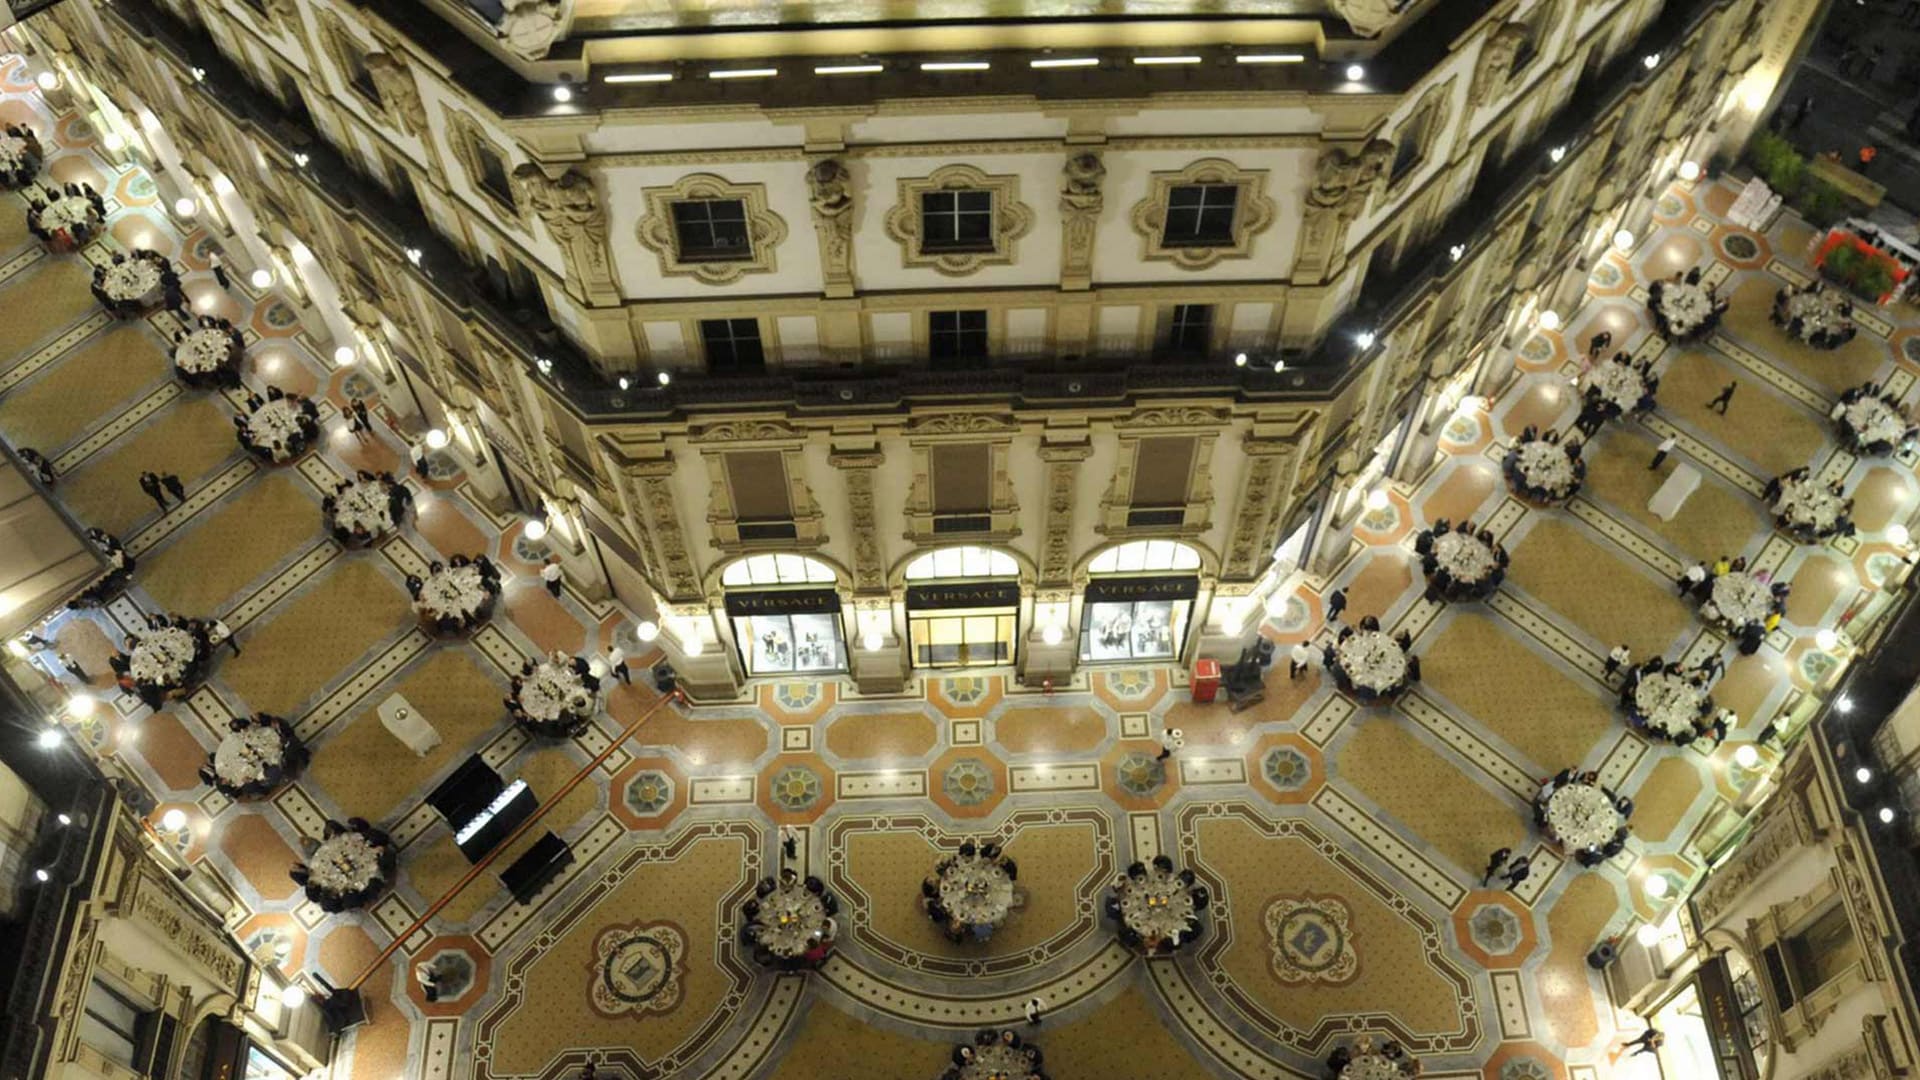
(1139, 601)
(785, 615)
(963, 607)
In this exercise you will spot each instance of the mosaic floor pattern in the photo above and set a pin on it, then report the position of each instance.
(1342, 845)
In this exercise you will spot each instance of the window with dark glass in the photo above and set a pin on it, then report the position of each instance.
(1411, 148)
(1192, 328)
(733, 345)
(1200, 215)
(956, 221)
(1162, 468)
(493, 172)
(711, 229)
(358, 77)
(957, 335)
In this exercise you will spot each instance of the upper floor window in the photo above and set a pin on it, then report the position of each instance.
(956, 221)
(957, 335)
(492, 172)
(358, 76)
(962, 562)
(776, 570)
(1145, 556)
(708, 229)
(1201, 215)
(757, 480)
(1191, 330)
(733, 345)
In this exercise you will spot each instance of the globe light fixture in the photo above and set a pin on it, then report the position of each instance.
(1623, 240)
(1648, 935)
(1355, 72)
(344, 355)
(185, 207)
(293, 996)
(1825, 638)
(260, 279)
(1549, 320)
(873, 641)
(49, 738)
(1898, 536)
(1886, 815)
(47, 80)
(174, 820)
(1863, 775)
(1377, 499)
(1746, 757)
(647, 630)
(437, 438)
(82, 705)
(1657, 885)
(113, 143)
(1052, 634)
(537, 529)
(1689, 171)
(222, 185)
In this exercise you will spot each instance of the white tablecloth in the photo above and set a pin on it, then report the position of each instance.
(1581, 817)
(1683, 481)
(276, 426)
(244, 756)
(1160, 906)
(363, 504)
(788, 918)
(1545, 466)
(13, 152)
(162, 657)
(1684, 306)
(1621, 384)
(135, 279)
(1819, 311)
(1739, 598)
(203, 350)
(1372, 659)
(1668, 703)
(552, 692)
(1806, 502)
(65, 212)
(1872, 420)
(1463, 556)
(1372, 1067)
(997, 1061)
(345, 864)
(976, 890)
(456, 590)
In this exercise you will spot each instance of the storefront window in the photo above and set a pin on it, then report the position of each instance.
(963, 607)
(262, 1067)
(782, 644)
(782, 630)
(1143, 614)
(1143, 630)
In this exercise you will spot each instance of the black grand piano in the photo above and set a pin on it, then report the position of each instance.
(483, 810)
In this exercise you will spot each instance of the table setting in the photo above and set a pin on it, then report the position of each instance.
(554, 699)
(351, 866)
(255, 757)
(971, 892)
(166, 660)
(1818, 317)
(1682, 308)
(996, 1055)
(1369, 664)
(1158, 908)
(1543, 471)
(67, 211)
(1620, 387)
(1373, 1059)
(1580, 816)
(276, 429)
(1871, 425)
(134, 281)
(458, 593)
(1808, 508)
(789, 922)
(17, 156)
(1740, 600)
(205, 352)
(363, 508)
(1666, 704)
(1460, 564)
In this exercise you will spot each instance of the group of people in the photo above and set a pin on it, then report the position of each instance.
(1368, 1058)
(207, 352)
(1615, 386)
(357, 525)
(1871, 421)
(1461, 563)
(1712, 585)
(978, 878)
(257, 756)
(554, 698)
(1685, 711)
(1814, 315)
(790, 922)
(1807, 509)
(1586, 852)
(1682, 308)
(445, 596)
(996, 1055)
(187, 645)
(67, 217)
(1542, 469)
(349, 867)
(120, 566)
(20, 156)
(1157, 908)
(278, 427)
(126, 286)
(1377, 667)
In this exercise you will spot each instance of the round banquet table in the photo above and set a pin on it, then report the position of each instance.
(135, 281)
(997, 1061)
(976, 890)
(1463, 556)
(252, 758)
(1739, 599)
(164, 659)
(1872, 426)
(1370, 661)
(347, 870)
(555, 700)
(1158, 907)
(1668, 705)
(203, 352)
(366, 505)
(790, 919)
(1620, 385)
(276, 426)
(1581, 817)
(1685, 307)
(1543, 469)
(1373, 1066)
(65, 212)
(1818, 312)
(456, 592)
(1807, 508)
(15, 153)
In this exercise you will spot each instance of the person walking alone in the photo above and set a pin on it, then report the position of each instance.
(174, 487)
(73, 668)
(1033, 1008)
(617, 663)
(219, 269)
(1299, 659)
(1647, 1042)
(1724, 398)
(550, 573)
(1620, 657)
(1336, 603)
(1660, 453)
(1517, 872)
(150, 483)
(1170, 740)
(789, 842)
(1495, 863)
(218, 632)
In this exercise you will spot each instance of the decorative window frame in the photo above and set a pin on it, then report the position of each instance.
(1434, 109)
(765, 229)
(464, 137)
(1252, 214)
(342, 46)
(1012, 219)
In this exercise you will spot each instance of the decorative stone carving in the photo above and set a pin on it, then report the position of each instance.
(1368, 17)
(466, 137)
(1249, 546)
(1056, 547)
(1191, 416)
(1342, 184)
(529, 28)
(830, 194)
(654, 482)
(966, 423)
(1253, 214)
(1012, 219)
(1858, 886)
(571, 207)
(1854, 1064)
(765, 229)
(1496, 63)
(153, 904)
(733, 431)
(1771, 840)
(869, 568)
(399, 94)
(1081, 201)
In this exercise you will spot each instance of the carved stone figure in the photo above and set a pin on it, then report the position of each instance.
(398, 92)
(1342, 182)
(1080, 188)
(571, 208)
(1496, 63)
(829, 191)
(530, 27)
(1368, 17)
(1081, 200)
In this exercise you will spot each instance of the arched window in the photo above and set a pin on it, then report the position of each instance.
(962, 562)
(1145, 557)
(757, 570)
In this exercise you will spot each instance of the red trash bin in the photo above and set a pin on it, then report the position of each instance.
(1206, 680)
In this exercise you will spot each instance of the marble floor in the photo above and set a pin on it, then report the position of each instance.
(1360, 831)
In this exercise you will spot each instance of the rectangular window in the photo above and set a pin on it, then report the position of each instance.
(758, 481)
(781, 644)
(1192, 329)
(957, 335)
(956, 221)
(733, 346)
(358, 77)
(1200, 215)
(1161, 468)
(961, 638)
(1823, 951)
(493, 177)
(1411, 147)
(962, 478)
(706, 230)
(1143, 630)
(111, 1024)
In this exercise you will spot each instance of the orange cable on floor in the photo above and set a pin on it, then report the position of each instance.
(487, 860)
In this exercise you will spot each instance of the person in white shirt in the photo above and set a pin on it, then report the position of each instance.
(417, 451)
(1299, 659)
(1660, 453)
(1170, 740)
(1618, 658)
(617, 663)
(219, 268)
(1693, 579)
(1033, 1008)
(550, 573)
(218, 632)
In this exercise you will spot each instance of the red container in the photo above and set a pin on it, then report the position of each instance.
(1206, 680)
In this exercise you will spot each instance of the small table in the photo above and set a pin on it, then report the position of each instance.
(405, 723)
(1681, 483)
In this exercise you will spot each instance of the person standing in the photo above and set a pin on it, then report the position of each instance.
(218, 631)
(171, 481)
(417, 453)
(219, 268)
(73, 667)
(150, 483)
(1495, 863)
(550, 574)
(1299, 658)
(1724, 398)
(1034, 1007)
(789, 842)
(1660, 452)
(1170, 740)
(1336, 603)
(617, 663)
(1517, 872)
(1647, 1042)
(1617, 659)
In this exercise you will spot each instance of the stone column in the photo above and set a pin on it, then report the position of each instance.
(1081, 201)
(830, 195)
(1431, 416)
(1053, 592)
(1336, 526)
(883, 670)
